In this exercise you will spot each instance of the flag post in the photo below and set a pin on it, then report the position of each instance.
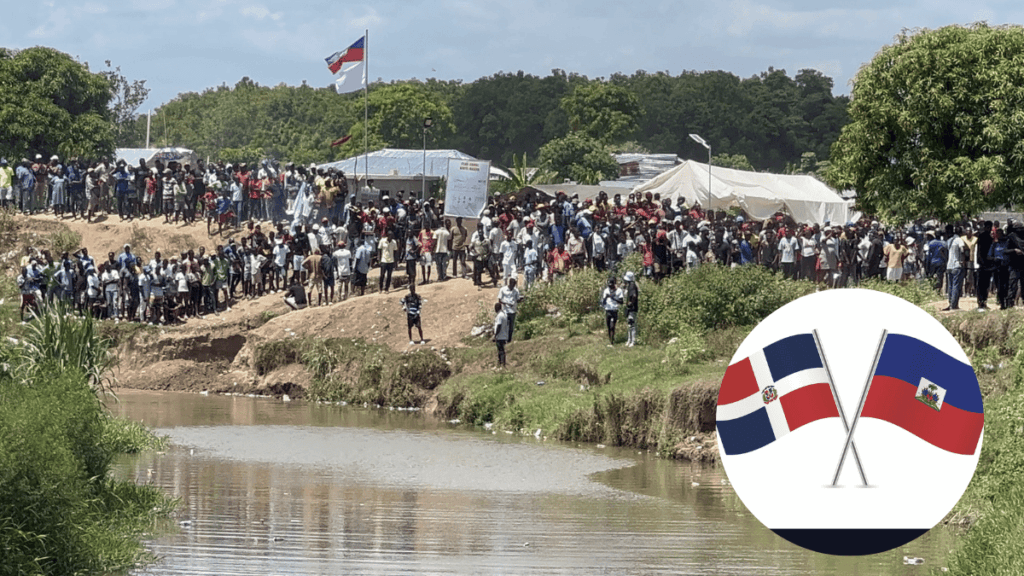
(366, 108)
(860, 408)
(839, 405)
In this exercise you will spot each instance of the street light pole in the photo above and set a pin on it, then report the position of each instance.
(702, 142)
(427, 123)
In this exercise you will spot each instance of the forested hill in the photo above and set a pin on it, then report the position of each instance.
(772, 119)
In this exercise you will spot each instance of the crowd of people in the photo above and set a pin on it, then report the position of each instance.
(303, 234)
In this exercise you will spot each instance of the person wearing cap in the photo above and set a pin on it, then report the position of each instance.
(6, 184)
(632, 304)
(40, 169)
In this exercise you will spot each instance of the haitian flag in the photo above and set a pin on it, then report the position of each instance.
(353, 53)
(771, 393)
(927, 393)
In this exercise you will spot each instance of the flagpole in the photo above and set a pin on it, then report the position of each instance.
(839, 404)
(860, 408)
(366, 108)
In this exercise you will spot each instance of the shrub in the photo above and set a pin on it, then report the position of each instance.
(274, 354)
(917, 292)
(59, 512)
(67, 341)
(65, 240)
(684, 349)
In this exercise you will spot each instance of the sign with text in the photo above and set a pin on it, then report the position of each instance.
(466, 192)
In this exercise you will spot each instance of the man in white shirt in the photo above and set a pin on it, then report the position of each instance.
(510, 298)
(955, 265)
(788, 246)
(531, 267)
(611, 299)
(501, 332)
(281, 251)
(343, 268)
(509, 250)
(441, 238)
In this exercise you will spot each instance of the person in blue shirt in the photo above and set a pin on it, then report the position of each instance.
(121, 181)
(26, 185)
(746, 251)
(362, 265)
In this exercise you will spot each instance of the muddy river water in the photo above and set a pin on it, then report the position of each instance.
(276, 488)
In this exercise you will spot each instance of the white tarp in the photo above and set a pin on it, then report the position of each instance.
(761, 195)
(181, 155)
(466, 192)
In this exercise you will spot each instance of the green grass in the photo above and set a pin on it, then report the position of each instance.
(592, 393)
(60, 512)
(124, 436)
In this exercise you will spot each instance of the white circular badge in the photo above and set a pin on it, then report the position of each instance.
(850, 422)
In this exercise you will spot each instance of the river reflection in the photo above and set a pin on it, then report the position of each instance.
(294, 488)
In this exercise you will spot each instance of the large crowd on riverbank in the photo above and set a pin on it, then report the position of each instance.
(303, 234)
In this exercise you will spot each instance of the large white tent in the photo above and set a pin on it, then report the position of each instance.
(760, 195)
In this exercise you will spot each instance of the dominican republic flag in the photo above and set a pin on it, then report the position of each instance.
(771, 393)
(353, 53)
(927, 393)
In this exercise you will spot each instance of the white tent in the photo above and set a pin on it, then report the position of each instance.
(760, 195)
(132, 155)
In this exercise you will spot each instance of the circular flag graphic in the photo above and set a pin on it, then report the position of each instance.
(850, 422)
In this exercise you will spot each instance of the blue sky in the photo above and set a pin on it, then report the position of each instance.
(189, 45)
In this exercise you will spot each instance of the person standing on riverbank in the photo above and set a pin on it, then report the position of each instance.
(412, 303)
(501, 332)
(611, 299)
(632, 306)
(509, 297)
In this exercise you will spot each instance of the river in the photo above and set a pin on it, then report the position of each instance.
(293, 488)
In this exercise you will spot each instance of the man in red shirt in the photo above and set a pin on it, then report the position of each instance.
(426, 239)
(558, 262)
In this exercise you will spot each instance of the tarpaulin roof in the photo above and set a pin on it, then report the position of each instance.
(165, 155)
(401, 162)
(759, 194)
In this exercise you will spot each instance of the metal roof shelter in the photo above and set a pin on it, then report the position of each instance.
(398, 162)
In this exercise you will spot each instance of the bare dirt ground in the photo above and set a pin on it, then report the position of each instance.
(213, 353)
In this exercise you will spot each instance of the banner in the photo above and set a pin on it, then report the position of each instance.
(466, 192)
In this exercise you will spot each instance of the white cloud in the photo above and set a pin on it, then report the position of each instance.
(255, 11)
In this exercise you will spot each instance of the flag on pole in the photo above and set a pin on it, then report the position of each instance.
(353, 53)
(352, 78)
(341, 141)
(927, 393)
(771, 393)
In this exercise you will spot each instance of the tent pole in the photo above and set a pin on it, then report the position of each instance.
(711, 200)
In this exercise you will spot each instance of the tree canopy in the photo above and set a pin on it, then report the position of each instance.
(51, 104)
(937, 125)
(771, 119)
(580, 158)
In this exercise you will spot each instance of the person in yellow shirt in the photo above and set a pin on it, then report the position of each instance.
(895, 253)
(6, 184)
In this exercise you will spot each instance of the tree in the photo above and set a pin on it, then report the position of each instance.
(734, 161)
(397, 112)
(936, 125)
(605, 112)
(521, 176)
(580, 158)
(52, 104)
(127, 97)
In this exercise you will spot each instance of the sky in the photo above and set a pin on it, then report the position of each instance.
(180, 46)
